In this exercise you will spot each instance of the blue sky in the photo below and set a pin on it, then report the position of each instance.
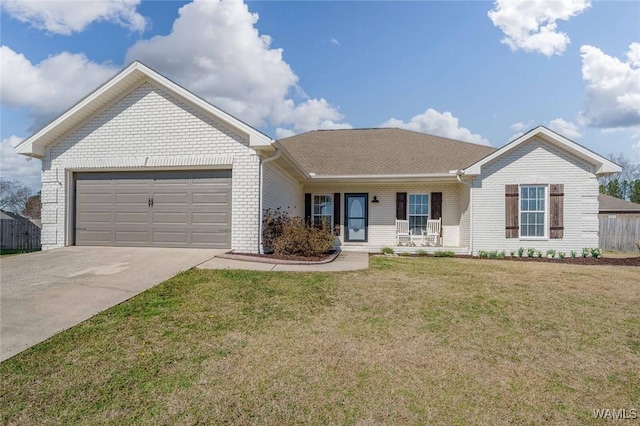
(478, 71)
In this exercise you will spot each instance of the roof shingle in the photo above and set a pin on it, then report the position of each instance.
(386, 151)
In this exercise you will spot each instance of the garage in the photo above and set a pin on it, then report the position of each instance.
(153, 208)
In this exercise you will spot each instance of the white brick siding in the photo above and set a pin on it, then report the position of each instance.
(281, 190)
(382, 215)
(536, 162)
(148, 129)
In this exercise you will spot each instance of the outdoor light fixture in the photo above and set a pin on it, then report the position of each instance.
(375, 199)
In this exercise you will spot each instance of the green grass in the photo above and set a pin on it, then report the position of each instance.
(11, 252)
(409, 341)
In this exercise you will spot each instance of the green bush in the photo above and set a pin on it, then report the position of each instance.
(586, 252)
(447, 253)
(561, 254)
(573, 254)
(301, 239)
(501, 254)
(520, 251)
(404, 253)
(595, 252)
(421, 252)
(531, 252)
(387, 250)
(551, 253)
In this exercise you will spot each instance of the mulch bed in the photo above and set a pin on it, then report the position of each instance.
(291, 258)
(616, 261)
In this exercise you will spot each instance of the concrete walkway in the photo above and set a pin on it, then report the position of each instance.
(346, 261)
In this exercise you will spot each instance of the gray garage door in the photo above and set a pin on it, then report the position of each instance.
(161, 209)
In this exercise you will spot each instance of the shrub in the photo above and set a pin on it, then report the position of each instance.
(421, 252)
(301, 239)
(493, 254)
(531, 252)
(387, 250)
(573, 254)
(273, 225)
(520, 251)
(404, 253)
(538, 253)
(512, 253)
(551, 253)
(447, 253)
(585, 252)
(595, 252)
(483, 254)
(501, 254)
(561, 254)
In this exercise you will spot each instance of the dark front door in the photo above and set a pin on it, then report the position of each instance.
(355, 217)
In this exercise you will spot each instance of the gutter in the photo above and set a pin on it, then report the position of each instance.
(458, 174)
(262, 163)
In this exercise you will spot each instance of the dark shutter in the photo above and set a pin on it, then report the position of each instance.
(401, 205)
(307, 208)
(556, 207)
(436, 205)
(336, 214)
(511, 210)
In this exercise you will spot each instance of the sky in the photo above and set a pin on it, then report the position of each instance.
(479, 71)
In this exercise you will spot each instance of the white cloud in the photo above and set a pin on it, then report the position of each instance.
(215, 50)
(612, 97)
(520, 128)
(565, 128)
(438, 124)
(67, 17)
(19, 167)
(313, 114)
(335, 41)
(51, 86)
(530, 25)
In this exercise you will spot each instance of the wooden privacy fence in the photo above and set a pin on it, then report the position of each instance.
(19, 234)
(618, 233)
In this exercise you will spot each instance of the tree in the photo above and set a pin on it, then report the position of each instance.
(621, 185)
(634, 192)
(13, 195)
(33, 207)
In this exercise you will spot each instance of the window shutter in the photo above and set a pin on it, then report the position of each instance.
(307, 208)
(401, 205)
(556, 207)
(512, 197)
(336, 214)
(436, 205)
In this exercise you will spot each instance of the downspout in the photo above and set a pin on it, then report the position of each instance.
(262, 163)
(470, 185)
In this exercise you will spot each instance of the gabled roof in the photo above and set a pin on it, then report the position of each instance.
(603, 165)
(378, 153)
(609, 204)
(118, 86)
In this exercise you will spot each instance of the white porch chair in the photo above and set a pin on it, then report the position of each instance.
(403, 233)
(431, 235)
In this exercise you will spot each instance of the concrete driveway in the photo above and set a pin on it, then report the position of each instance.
(46, 292)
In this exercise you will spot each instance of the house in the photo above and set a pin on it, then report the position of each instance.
(142, 161)
(615, 207)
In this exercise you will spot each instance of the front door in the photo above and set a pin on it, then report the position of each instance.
(355, 219)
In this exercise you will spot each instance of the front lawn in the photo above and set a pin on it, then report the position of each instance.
(409, 341)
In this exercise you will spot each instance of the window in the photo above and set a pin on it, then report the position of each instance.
(323, 209)
(532, 211)
(418, 212)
